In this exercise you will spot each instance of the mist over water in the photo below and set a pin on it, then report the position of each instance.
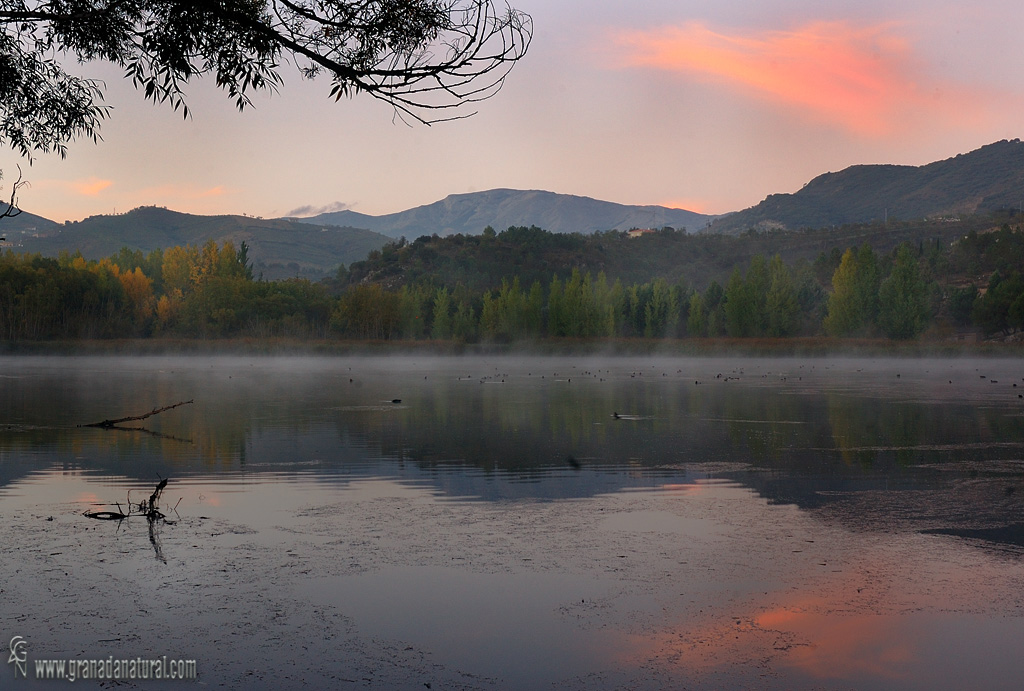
(509, 522)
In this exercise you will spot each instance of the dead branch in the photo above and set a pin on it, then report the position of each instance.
(106, 515)
(155, 497)
(112, 424)
(12, 209)
(148, 508)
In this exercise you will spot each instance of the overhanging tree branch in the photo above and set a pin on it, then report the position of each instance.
(429, 59)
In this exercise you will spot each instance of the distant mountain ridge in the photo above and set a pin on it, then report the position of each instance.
(278, 248)
(984, 180)
(987, 179)
(470, 213)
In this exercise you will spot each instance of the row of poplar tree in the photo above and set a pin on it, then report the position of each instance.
(210, 291)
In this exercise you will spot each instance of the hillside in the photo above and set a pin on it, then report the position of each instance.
(982, 181)
(469, 214)
(480, 263)
(15, 227)
(278, 248)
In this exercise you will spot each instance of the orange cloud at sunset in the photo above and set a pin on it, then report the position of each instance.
(864, 79)
(90, 187)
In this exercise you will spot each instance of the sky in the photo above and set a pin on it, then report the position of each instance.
(707, 106)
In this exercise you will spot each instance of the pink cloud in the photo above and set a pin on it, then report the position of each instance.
(865, 79)
(90, 187)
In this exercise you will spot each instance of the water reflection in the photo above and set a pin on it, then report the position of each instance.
(788, 524)
(828, 426)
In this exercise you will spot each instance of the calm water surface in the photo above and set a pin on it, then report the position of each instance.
(531, 522)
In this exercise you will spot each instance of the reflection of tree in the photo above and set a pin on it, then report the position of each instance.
(768, 425)
(864, 430)
(247, 419)
(855, 434)
(527, 423)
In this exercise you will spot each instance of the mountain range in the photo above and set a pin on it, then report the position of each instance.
(470, 213)
(987, 179)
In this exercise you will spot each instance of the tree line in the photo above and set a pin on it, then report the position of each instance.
(210, 292)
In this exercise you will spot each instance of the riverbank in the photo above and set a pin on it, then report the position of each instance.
(750, 347)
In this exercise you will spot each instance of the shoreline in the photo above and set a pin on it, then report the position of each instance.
(695, 347)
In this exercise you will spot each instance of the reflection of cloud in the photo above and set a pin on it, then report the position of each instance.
(685, 490)
(310, 210)
(803, 632)
(844, 646)
(864, 79)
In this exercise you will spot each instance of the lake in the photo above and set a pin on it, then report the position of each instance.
(507, 522)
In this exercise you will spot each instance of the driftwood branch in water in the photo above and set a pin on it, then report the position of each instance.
(148, 508)
(109, 424)
(106, 515)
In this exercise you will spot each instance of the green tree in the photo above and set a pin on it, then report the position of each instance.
(992, 310)
(442, 326)
(697, 321)
(464, 322)
(616, 301)
(903, 298)
(740, 306)
(714, 303)
(581, 314)
(869, 278)
(961, 302)
(412, 311)
(533, 319)
(556, 309)
(662, 312)
(758, 281)
(781, 306)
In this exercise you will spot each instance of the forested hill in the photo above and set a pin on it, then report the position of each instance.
(470, 213)
(15, 227)
(984, 180)
(277, 248)
(532, 254)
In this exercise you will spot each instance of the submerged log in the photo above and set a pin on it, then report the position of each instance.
(112, 424)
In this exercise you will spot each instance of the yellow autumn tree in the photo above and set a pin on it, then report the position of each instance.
(177, 270)
(138, 288)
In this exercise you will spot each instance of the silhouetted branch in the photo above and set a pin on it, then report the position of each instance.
(109, 424)
(12, 209)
